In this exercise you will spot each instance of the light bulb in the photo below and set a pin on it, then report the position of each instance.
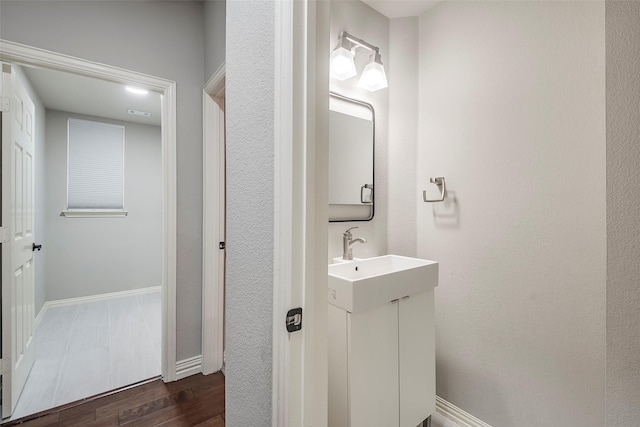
(371, 78)
(342, 66)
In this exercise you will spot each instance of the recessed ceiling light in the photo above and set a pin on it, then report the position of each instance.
(139, 113)
(137, 90)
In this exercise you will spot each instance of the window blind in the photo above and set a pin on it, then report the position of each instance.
(95, 165)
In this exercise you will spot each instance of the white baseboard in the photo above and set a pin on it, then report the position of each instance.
(71, 301)
(456, 417)
(187, 367)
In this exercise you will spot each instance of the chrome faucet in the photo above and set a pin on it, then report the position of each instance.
(347, 242)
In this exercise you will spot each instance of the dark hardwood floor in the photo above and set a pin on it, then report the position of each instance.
(197, 400)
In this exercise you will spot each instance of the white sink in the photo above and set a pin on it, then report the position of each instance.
(362, 284)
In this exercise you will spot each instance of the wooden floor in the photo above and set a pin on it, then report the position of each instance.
(197, 400)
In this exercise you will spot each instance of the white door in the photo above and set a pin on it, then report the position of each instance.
(214, 225)
(18, 349)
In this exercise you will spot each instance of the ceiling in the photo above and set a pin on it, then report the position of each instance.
(84, 95)
(401, 8)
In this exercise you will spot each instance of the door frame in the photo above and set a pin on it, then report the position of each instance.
(213, 222)
(20, 54)
(301, 219)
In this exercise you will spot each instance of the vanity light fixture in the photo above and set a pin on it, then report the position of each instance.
(343, 66)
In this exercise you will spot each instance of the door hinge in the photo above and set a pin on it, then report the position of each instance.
(6, 103)
(4, 234)
(221, 245)
(6, 366)
(294, 319)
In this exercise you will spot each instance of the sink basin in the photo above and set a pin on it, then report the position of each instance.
(362, 284)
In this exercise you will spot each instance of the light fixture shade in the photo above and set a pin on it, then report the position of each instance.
(342, 64)
(373, 77)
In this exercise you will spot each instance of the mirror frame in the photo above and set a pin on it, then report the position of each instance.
(373, 159)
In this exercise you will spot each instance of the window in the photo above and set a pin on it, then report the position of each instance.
(95, 169)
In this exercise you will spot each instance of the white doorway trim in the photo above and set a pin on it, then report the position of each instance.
(301, 218)
(20, 54)
(213, 216)
(284, 224)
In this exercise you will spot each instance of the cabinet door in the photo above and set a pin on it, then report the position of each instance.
(417, 359)
(373, 366)
(338, 403)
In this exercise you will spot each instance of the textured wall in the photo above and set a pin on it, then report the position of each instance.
(623, 213)
(92, 256)
(363, 22)
(250, 190)
(163, 39)
(512, 114)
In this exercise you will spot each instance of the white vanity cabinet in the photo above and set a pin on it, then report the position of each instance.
(382, 363)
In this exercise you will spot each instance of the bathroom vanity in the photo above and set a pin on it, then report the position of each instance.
(381, 342)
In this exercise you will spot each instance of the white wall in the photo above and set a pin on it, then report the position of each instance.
(92, 256)
(623, 213)
(250, 203)
(164, 39)
(512, 114)
(403, 136)
(363, 22)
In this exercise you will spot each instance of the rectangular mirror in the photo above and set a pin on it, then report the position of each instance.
(351, 157)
